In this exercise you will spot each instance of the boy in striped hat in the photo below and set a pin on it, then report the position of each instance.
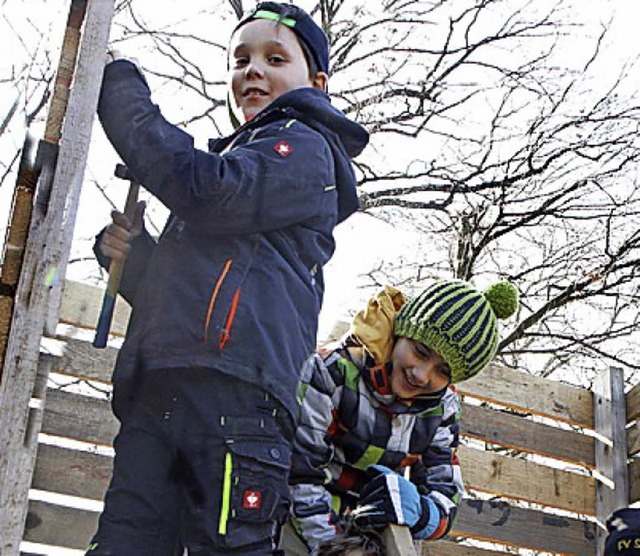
(379, 424)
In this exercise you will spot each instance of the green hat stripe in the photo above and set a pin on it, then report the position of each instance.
(464, 313)
(473, 340)
(447, 308)
(266, 14)
(434, 307)
(477, 349)
(484, 342)
(464, 327)
(421, 305)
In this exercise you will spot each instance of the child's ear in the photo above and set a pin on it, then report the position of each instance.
(320, 81)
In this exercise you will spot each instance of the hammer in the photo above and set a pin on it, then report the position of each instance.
(115, 268)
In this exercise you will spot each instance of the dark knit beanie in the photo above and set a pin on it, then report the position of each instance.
(458, 322)
(300, 22)
(624, 533)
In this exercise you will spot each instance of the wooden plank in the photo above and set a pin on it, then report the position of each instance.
(513, 431)
(611, 457)
(633, 403)
(397, 541)
(50, 524)
(634, 481)
(526, 480)
(6, 309)
(45, 260)
(80, 306)
(79, 417)
(528, 393)
(72, 472)
(82, 360)
(450, 548)
(633, 438)
(500, 522)
(18, 475)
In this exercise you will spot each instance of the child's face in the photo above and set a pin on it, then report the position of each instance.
(417, 370)
(266, 61)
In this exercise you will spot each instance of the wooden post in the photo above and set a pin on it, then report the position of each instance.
(45, 259)
(398, 541)
(612, 489)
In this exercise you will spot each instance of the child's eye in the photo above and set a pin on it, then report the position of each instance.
(276, 59)
(445, 370)
(240, 62)
(422, 350)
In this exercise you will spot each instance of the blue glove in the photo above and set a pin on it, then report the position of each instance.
(390, 498)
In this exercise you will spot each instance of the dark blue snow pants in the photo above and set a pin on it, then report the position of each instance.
(202, 462)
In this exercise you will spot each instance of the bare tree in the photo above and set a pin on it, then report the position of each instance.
(533, 179)
(510, 157)
(26, 80)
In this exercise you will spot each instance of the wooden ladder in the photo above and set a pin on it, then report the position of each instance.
(32, 309)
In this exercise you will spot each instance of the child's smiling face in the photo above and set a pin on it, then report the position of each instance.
(417, 370)
(266, 61)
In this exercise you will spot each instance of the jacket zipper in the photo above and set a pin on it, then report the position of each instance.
(226, 332)
(214, 296)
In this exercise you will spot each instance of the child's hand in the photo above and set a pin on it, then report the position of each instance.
(114, 54)
(388, 498)
(117, 237)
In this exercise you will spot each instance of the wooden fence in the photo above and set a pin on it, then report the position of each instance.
(529, 456)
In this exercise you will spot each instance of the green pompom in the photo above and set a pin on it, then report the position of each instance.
(503, 298)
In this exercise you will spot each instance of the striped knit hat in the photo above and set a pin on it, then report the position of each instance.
(458, 322)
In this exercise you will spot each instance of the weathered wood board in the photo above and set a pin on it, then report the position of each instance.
(533, 394)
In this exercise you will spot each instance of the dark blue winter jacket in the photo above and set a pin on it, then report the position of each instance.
(235, 281)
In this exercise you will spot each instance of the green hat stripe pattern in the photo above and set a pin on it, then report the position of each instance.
(455, 320)
(436, 297)
(265, 14)
(484, 342)
(460, 307)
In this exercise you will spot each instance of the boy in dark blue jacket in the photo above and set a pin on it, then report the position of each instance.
(225, 303)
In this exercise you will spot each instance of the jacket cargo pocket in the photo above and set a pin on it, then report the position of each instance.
(255, 490)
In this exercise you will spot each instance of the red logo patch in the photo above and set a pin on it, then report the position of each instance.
(283, 149)
(252, 499)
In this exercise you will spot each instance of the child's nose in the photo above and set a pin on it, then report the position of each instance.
(421, 376)
(424, 374)
(254, 69)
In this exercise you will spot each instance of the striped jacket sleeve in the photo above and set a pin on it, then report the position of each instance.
(437, 474)
(312, 514)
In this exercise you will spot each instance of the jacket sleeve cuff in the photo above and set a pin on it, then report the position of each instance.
(431, 524)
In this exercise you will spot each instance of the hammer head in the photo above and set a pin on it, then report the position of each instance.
(123, 173)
